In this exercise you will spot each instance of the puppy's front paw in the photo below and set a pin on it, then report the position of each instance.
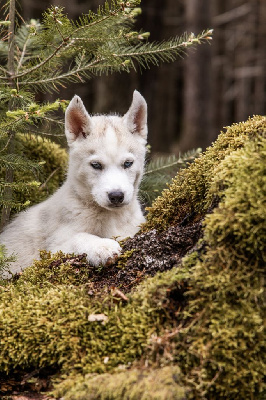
(106, 253)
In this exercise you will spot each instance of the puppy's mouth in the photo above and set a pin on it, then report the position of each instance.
(118, 205)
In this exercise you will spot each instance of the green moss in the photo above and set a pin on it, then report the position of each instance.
(221, 349)
(187, 196)
(56, 269)
(48, 325)
(158, 384)
(55, 158)
(124, 257)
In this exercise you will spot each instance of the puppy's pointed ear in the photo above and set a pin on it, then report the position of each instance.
(77, 120)
(136, 117)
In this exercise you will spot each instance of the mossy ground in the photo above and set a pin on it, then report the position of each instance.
(202, 315)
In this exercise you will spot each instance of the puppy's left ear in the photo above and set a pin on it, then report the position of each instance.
(136, 117)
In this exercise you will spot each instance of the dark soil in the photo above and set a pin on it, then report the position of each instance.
(151, 252)
(26, 386)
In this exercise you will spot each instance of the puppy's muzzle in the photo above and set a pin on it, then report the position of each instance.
(116, 198)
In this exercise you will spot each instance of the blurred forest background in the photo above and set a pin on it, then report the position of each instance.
(191, 100)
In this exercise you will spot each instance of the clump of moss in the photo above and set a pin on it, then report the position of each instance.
(187, 197)
(56, 269)
(157, 384)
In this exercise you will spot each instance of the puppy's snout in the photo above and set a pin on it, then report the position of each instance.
(116, 197)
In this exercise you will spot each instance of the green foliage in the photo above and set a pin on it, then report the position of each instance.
(54, 161)
(98, 42)
(25, 166)
(38, 171)
(160, 170)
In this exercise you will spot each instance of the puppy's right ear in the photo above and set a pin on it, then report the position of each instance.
(136, 117)
(77, 121)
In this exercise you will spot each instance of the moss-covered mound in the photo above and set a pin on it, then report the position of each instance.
(193, 331)
(188, 195)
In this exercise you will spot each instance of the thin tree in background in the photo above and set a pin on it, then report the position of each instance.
(197, 82)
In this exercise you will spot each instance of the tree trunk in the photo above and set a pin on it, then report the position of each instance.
(197, 126)
(9, 177)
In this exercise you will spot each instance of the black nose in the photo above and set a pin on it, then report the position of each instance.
(116, 197)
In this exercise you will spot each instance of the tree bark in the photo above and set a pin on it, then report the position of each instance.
(9, 176)
(197, 122)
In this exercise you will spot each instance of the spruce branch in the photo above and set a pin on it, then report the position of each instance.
(68, 41)
(114, 58)
(159, 172)
(17, 162)
(41, 64)
(162, 163)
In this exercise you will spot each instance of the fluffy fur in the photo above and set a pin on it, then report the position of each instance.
(98, 202)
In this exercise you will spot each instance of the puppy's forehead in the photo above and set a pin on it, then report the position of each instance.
(109, 137)
(111, 132)
(102, 124)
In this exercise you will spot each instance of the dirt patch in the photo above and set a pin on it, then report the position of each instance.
(150, 252)
(26, 386)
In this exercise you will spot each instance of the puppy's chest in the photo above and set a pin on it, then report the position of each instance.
(105, 225)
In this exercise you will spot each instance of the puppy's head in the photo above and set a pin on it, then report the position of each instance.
(107, 152)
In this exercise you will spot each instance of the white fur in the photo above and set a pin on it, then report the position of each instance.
(79, 217)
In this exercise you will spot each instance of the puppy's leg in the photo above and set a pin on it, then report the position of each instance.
(100, 251)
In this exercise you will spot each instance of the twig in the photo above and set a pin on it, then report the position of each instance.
(44, 184)
(23, 52)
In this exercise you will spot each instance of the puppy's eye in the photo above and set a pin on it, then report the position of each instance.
(128, 164)
(96, 165)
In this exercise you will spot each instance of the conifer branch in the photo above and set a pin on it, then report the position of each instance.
(65, 42)
(41, 64)
(23, 53)
(161, 51)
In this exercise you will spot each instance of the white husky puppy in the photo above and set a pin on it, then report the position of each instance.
(98, 201)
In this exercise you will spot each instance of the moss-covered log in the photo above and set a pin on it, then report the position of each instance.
(195, 329)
